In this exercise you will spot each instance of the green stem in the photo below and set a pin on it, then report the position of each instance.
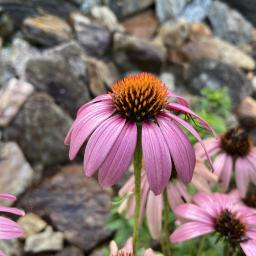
(201, 246)
(137, 163)
(165, 244)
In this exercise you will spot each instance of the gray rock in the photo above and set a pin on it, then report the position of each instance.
(229, 24)
(45, 241)
(70, 251)
(76, 206)
(11, 247)
(169, 80)
(46, 30)
(40, 128)
(131, 53)
(96, 39)
(195, 10)
(214, 74)
(87, 5)
(16, 173)
(62, 73)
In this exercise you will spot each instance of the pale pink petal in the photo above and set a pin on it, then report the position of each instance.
(193, 212)
(181, 150)
(219, 164)
(144, 196)
(180, 100)
(184, 109)
(100, 143)
(190, 230)
(128, 246)
(211, 145)
(242, 168)
(157, 160)
(7, 197)
(128, 187)
(249, 247)
(2, 253)
(226, 173)
(113, 248)
(9, 229)
(119, 157)
(12, 210)
(192, 130)
(148, 252)
(154, 211)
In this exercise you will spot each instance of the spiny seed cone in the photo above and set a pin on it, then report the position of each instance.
(139, 97)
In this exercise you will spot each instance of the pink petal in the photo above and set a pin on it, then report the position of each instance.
(9, 229)
(12, 210)
(7, 197)
(249, 247)
(101, 142)
(226, 173)
(190, 230)
(119, 157)
(113, 248)
(180, 100)
(154, 211)
(181, 150)
(219, 164)
(193, 212)
(128, 246)
(191, 129)
(157, 160)
(242, 168)
(183, 109)
(148, 252)
(2, 253)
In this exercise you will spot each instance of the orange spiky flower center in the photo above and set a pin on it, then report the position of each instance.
(236, 142)
(139, 97)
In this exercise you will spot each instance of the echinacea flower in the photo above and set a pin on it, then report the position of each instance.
(233, 150)
(153, 204)
(126, 250)
(110, 124)
(218, 213)
(9, 229)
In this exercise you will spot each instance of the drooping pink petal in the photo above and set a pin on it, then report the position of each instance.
(219, 164)
(184, 109)
(7, 197)
(83, 130)
(180, 100)
(193, 212)
(249, 247)
(12, 210)
(157, 160)
(181, 150)
(119, 157)
(190, 230)
(192, 130)
(101, 142)
(242, 168)
(226, 173)
(154, 211)
(9, 229)
(211, 145)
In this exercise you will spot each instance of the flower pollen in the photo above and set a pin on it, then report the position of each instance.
(139, 97)
(236, 142)
(231, 227)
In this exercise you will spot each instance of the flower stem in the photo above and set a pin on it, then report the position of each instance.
(201, 246)
(165, 244)
(137, 163)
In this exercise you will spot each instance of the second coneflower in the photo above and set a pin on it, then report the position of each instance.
(139, 109)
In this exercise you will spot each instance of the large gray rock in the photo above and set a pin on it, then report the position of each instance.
(214, 74)
(131, 53)
(40, 128)
(47, 30)
(62, 73)
(74, 204)
(229, 24)
(16, 173)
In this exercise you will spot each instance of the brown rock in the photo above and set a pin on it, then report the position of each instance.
(12, 97)
(74, 204)
(142, 25)
(46, 30)
(219, 50)
(40, 128)
(246, 112)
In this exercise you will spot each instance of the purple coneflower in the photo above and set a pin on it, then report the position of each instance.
(218, 213)
(233, 150)
(111, 124)
(126, 250)
(8, 228)
(152, 204)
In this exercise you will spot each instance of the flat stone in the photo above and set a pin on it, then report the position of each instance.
(219, 50)
(16, 173)
(62, 73)
(46, 30)
(214, 74)
(12, 97)
(131, 53)
(143, 25)
(45, 241)
(40, 128)
(70, 251)
(69, 196)
(229, 24)
(11, 247)
(31, 224)
(246, 112)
